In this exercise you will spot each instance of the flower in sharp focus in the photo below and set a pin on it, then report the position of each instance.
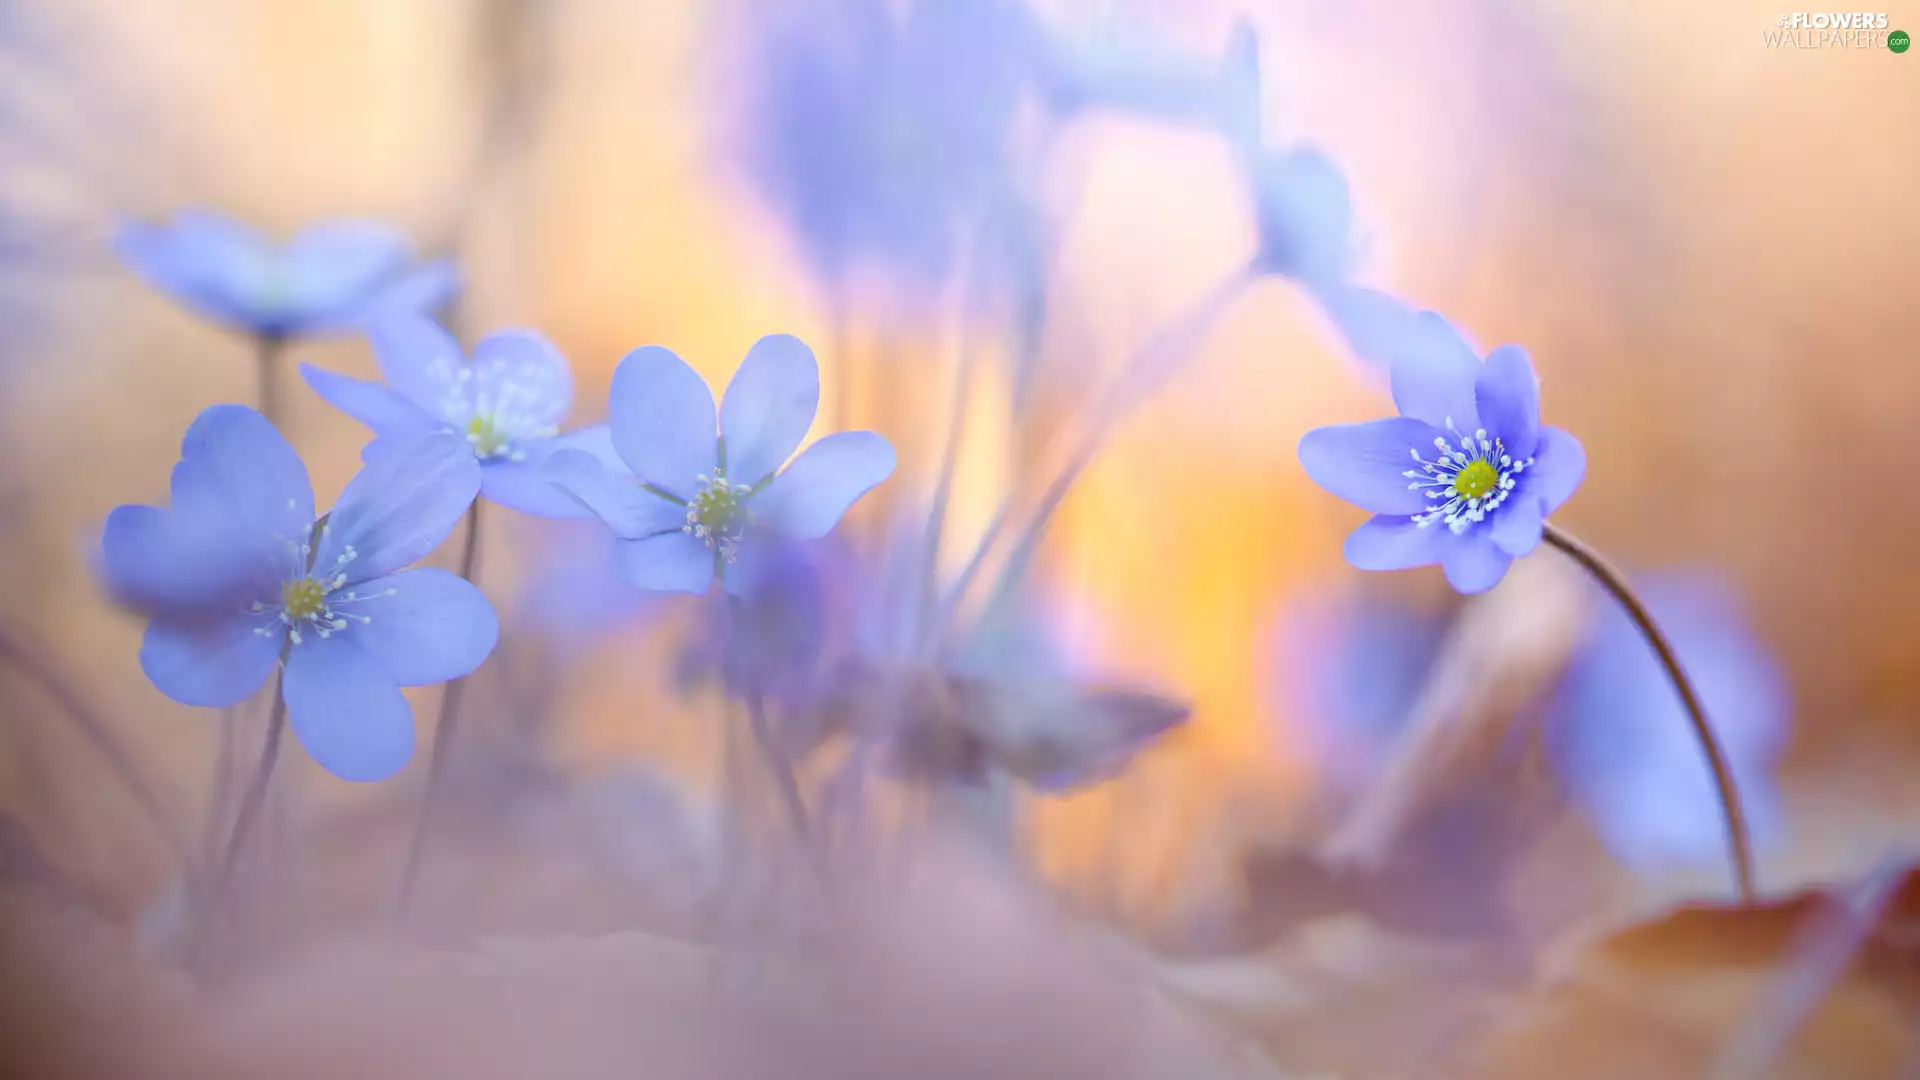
(329, 597)
(1465, 476)
(332, 277)
(688, 500)
(1621, 742)
(507, 402)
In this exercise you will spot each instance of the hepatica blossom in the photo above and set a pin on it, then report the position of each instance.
(330, 278)
(1464, 477)
(329, 598)
(689, 501)
(507, 403)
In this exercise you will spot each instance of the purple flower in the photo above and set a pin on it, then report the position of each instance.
(507, 402)
(687, 499)
(1465, 477)
(328, 598)
(330, 278)
(1620, 740)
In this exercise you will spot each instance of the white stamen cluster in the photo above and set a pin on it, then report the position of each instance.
(716, 516)
(1468, 479)
(496, 411)
(309, 600)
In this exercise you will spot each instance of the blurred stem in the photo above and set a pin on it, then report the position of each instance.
(1610, 577)
(222, 779)
(443, 735)
(267, 350)
(1142, 373)
(157, 809)
(943, 489)
(256, 796)
(839, 335)
(791, 801)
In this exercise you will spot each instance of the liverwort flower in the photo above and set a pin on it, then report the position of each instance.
(332, 277)
(1619, 739)
(1465, 477)
(687, 500)
(328, 598)
(507, 402)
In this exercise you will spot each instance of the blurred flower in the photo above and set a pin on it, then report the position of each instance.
(695, 496)
(577, 592)
(768, 640)
(507, 403)
(328, 598)
(1620, 738)
(1304, 213)
(880, 133)
(1485, 471)
(330, 278)
(1118, 66)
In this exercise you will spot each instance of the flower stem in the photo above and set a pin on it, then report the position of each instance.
(256, 796)
(1610, 577)
(929, 583)
(443, 736)
(267, 348)
(781, 769)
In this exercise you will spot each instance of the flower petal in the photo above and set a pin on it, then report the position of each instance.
(663, 421)
(1433, 373)
(418, 358)
(520, 374)
(332, 270)
(1508, 394)
(382, 409)
(154, 560)
(347, 709)
(212, 663)
(668, 562)
(210, 263)
(399, 507)
(1394, 543)
(1366, 464)
(614, 496)
(420, 289)
(424, 625)
(769, 406)
(1516, 526)
(1472, 562)
(236, 466)
(806, 500)
(1559, 465)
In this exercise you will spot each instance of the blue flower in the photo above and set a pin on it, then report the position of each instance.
(687, 498)
(330, 278)
(329, 598)
(507, 403)
(1620, 740)
(1465, 477)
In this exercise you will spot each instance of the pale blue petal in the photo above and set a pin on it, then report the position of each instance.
(400, 506)
(807, 500)
(424, 625)
(210, 263)
(523, 486)
(769, 406)
(519, 376)
(663, 420)
(388, 413)
(669, 562)
(332, 269)
(1472, 563)
(154, 560)
(1366, 464)
(1558, 467)
(613, 495)
(1516, 526)
(346, 709)
(419, 359)
(1433, 375)
(421, 288)
(213, 662)
(1394, 543)
(1377, 326)
(1508, 394)
(235, 465)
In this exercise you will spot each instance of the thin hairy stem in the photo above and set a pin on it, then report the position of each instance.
(443, 736)
(256, 796)
(223, 770)
(156, 808)
(1738, 838)
(781, 770)
(267, 349)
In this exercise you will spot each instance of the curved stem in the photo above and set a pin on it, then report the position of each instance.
(157, 809)
(256, 796)
(267, 349)
(929, 582)
(443, 735)
(1610, 577)
(782, 770)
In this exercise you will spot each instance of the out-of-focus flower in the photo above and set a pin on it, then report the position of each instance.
(1134, 70)
(1484, 473)
(878, 133)
(696, 496)
(769, 640)
(1623, 746)
(328, 598)
(332, 277)
(507, 402)
(577, 593)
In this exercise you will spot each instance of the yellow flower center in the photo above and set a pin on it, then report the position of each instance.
(1477, 480)
(485, 435)
(303, 599)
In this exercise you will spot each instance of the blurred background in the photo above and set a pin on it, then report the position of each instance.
(1705, 242)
